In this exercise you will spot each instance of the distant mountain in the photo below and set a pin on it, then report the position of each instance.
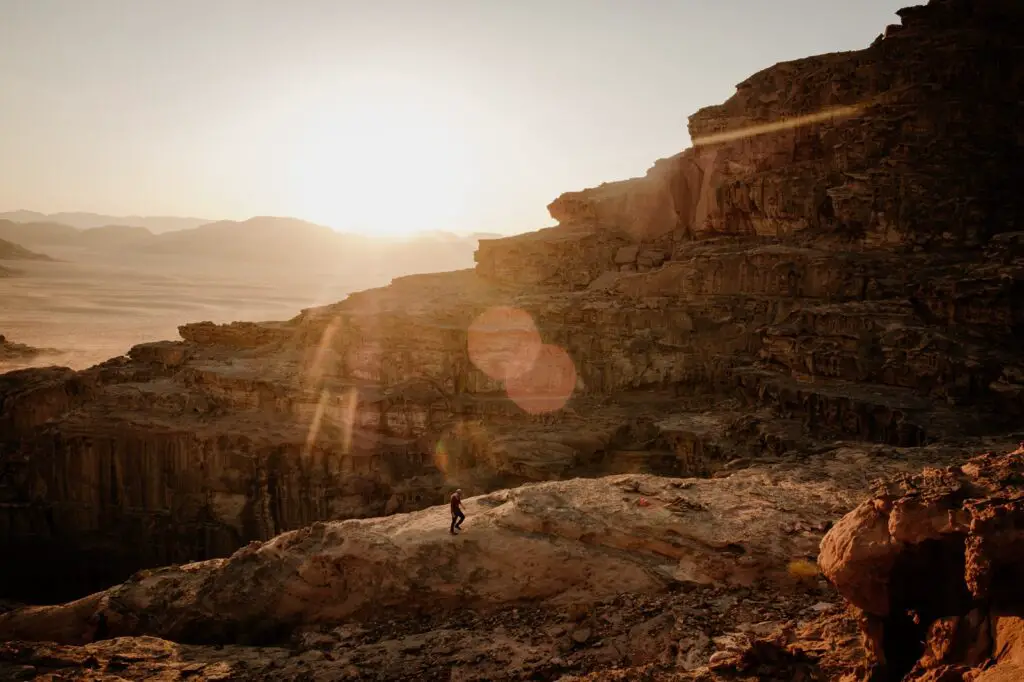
(260, 241)
(263, 238)
(85, 221)
(39, 234)
(12, 251)
(56, 234)
(23, 216)
(115, 235)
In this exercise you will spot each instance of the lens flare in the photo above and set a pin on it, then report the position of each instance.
(776, 126)
(547, 385)
(317, 365)
(349, 419)
(503, 342)
(441, 456)
(314, 426)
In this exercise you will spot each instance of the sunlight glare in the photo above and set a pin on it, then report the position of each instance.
(388, 158)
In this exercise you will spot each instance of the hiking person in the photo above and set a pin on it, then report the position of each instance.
(457, 516)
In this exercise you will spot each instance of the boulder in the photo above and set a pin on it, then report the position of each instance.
(933, 562)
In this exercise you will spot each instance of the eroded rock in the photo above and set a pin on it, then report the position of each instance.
(933, 561)
(557, 543)
(837, 259)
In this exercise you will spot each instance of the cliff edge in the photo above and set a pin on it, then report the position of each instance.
(836, 263)
(657, 408)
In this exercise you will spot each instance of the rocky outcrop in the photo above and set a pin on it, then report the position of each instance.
(933, 562)
(12, 251)
(839, 257)
(848, 145)
(619, 578)
(13, 354)
(11, 350)
(583, 539)
(546, 579)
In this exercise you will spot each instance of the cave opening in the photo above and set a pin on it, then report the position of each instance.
(1006, 587)
(927, 583)
(43, 573)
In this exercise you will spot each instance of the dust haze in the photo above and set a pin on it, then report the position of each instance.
(105, 289)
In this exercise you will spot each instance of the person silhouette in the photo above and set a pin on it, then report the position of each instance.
(457, 516)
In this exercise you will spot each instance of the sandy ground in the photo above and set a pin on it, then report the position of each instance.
(93, 305)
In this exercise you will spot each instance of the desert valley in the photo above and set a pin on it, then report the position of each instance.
(87, 292)
(755, 415)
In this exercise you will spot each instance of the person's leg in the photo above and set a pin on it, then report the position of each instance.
(452, 529)
(462, 517)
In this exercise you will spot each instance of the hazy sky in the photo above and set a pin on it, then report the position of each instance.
(377, 115)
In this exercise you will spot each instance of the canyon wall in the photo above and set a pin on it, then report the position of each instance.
(838, 258)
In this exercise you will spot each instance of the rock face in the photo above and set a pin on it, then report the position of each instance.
(840, 256)
(849, 145)
(934, 563)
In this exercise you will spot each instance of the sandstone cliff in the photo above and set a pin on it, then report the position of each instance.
(837, 258)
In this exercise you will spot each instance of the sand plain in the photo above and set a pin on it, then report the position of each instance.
(92, 305)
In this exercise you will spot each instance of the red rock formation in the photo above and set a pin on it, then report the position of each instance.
(835, 259)
(859, 145)
(934, 561)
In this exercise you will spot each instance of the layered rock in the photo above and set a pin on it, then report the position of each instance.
(838, 257)
(859, 145)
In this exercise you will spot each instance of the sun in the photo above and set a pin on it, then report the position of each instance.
(388, 159)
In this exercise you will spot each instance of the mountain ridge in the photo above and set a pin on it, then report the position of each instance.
(159, 225)
(84, 220)
(13, 251)
(260, 238)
